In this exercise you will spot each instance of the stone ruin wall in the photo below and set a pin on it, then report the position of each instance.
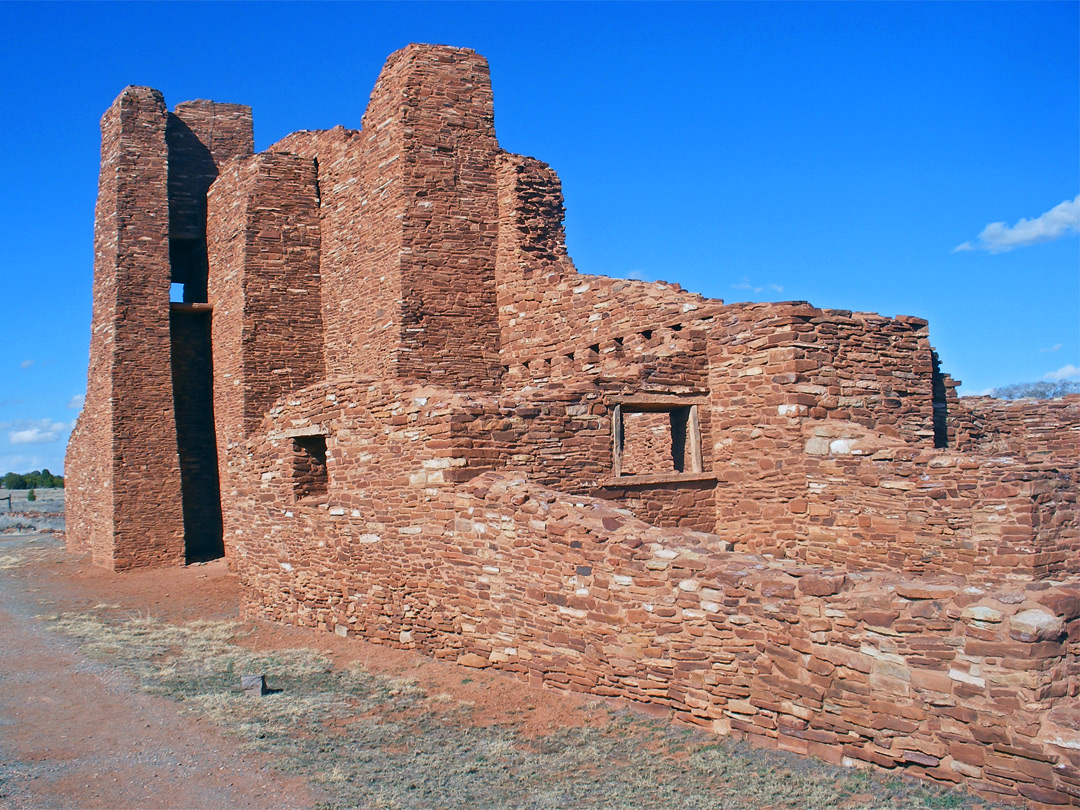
(127, 422)
(141, 459)
(414, 405)
(824, 444)
(1040, 430)
(411, 225)
(264, 286)
(943, 675)
(548, 311)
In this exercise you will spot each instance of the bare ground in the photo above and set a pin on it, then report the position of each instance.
(121, 691)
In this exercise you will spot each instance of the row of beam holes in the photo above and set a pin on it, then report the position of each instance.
(595, 348)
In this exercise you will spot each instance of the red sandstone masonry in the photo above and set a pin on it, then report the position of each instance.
(126, 476)
(441, 99)
(546, 309)
(123, 459)
(202, 136)
(264, 285)
(815, 454)
(413, 289)
(417, 401)
(567, 591)
(359, 306)
(1039, 430)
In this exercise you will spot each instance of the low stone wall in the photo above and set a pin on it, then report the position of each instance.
(995, 518)
(1039, 430)
(940, 677)
(688, 504)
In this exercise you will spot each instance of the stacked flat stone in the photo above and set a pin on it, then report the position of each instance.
(392, 401)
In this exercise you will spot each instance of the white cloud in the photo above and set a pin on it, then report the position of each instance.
(745, 284)
(998, 237)
(1064, 373)
(22, 463)
(76, 402)
(26, 364)
(41, 431)
(35, 435)
(1055, 348)
(638, 275)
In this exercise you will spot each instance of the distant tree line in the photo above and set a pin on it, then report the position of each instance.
(1037, 390)
(38, 479)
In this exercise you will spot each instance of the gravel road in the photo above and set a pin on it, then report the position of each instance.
(74, 734)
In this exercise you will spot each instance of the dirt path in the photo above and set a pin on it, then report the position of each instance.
(73, 734)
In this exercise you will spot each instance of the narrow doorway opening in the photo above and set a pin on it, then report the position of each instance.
(193, 401)
(939, 398)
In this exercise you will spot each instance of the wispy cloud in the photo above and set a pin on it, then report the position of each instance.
(26, 364)
(1055, 348)
(637, 275)
(12, 462)
(998, 237)
(76, 402)
(1064, 373)
(745, 284)
(39, 431)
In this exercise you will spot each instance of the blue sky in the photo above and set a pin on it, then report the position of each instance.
(835, 153)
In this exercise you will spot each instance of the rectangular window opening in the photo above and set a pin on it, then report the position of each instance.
(310, 479)
(188, 266)
(656, 438)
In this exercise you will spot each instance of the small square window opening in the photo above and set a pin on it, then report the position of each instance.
(310, 480)
(656, 438)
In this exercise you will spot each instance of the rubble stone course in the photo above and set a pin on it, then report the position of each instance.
(391, 400)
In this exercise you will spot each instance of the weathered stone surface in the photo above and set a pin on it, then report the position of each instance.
(983, 613)
(813, 585)
(924, 590)
(430, 431)
(1035, 625)
(473, 660)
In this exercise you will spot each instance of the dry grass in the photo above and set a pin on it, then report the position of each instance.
(369, 741)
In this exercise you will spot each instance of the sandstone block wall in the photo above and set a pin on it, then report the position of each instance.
(936, 676)
(360, 314)
(1040, 430)
(124, 466)
(411, 293)
(441, 99)
(547, 310)
(202, 135)
(264, 240)
(142, 456)
(948, 513)
(265, 286)
(430, 430)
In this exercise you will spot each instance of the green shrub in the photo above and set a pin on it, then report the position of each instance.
(31, 495)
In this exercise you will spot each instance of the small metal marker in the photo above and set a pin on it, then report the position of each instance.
(253, 684)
